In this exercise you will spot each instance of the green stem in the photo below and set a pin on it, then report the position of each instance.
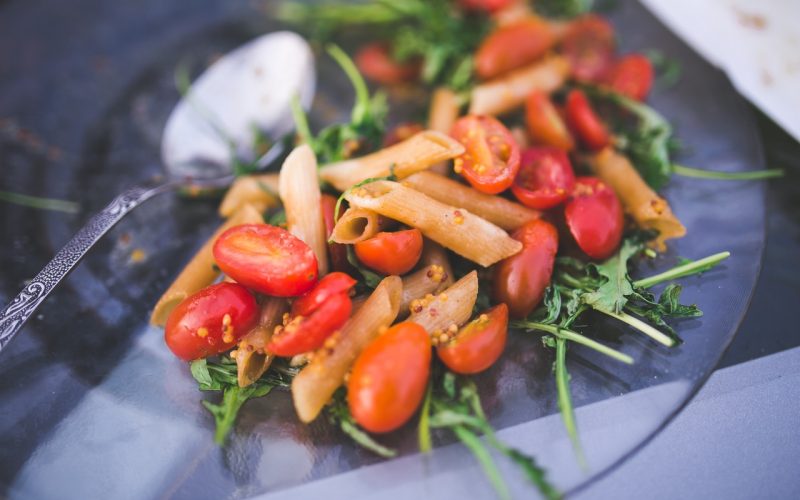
(69, 207)
(473, 442)
(424, 428)
(578, 339)
(699, 173)
(301, 120)
(642, 327)
(361, 107)
(565, 399)
(683, 270)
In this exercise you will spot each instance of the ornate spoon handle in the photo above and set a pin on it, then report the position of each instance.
(27, 301)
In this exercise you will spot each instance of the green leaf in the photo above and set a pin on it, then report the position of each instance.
(565, 399)
(24, 200)
(424, 427)
(199, 369)
(232, 400)
(371, 279)
(481, 453)
(613, 294)
(534, 472)
(563, 8)
(278, 218)
(339, 414)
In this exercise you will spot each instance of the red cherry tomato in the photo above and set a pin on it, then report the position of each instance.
(211, 321)
(484, 5)
(545, 124)
(513, 46)
(478, 344)
(585, 123)
(389, 378)
(588, 43)
(491, 159)
(402, 132)
(594, 217)
(375, 61)
(632, 76)
(267, 259)
(520, 280)
(545, 178)
(307, 333)
(337, 251)
(332, 284)
(391, 253)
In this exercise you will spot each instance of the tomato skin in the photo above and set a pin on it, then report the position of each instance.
(585, 123)
(545, 124)
(632, 75)
(595, 218)
(303, 334)
(545, 178)
(375, 61)
(520, 280)
(479, 344)
(513, 46)
(491, 159)
(330, 285)
(336, 251)
(588, 43)
(389, 378)
(195, 327)
(402, 132)
(267, 259)
(391, 253)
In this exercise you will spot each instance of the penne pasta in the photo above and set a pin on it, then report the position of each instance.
(299, 190)
(402, 159)
(446, 312)
(442, 115)
(313, 387)
(429, 279)
(455, 228)
(260, 191)
(496, 209)
(434, 254)
(200, 271)
(508, 92)
(649, 210)
(357, 224)
(252, 359)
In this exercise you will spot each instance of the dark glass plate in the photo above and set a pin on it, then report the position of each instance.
(95, 406)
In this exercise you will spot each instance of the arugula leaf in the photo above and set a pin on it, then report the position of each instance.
(424, 427)
(232, 400)
(24, 200)
(339, 414)
(563, 8)
(613, 294)
(371, 279)
(565, 399)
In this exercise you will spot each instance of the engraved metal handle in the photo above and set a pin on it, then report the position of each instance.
(28, 300)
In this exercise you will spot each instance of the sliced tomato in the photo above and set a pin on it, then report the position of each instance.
(211, 321)
(402, 132)
(484, 5)
(336, 251)
(267, 259)
(513, 46)
(595, 218)
(491, 159)
(520, 280)
(388, 380)
(375, 61)
(306, 333)
(588, 43)
(545, 178)
(585, 123)
(478, 344)
(545, 124)
(330, 285)
(391, 253)
(632, 75)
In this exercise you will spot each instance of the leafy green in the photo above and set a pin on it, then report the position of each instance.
(68, 207)
(371, 279)
(232, 400)
(424, 427)
(563, 8)
(686, 268)
(277, 218)
(613, 294)
(667, 69)
(565, 399)
(339, 414)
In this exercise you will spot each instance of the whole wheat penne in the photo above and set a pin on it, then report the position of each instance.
(260, 191)
(446, 312)
(649, 210)
(313, 387)
(455, 228)
(428, 279)
(496, 209)
(200, 271)
(357, 224)
(434, 254)
(416, 153)
(508, 92)
(252, 358)
(299, 190)
(442, 114)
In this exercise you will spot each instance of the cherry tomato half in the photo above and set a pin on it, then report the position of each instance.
(513, 46)
(545, 178)
(545, 124)
(585, 123)
(375, 61)
(594, 217)
(632, 75)
(307, 333)
(588, 43)
(484, 5)
(391, 253)
(267, 259)
(520, 280)
(491, 159)
(336, 251)
(211, 321)
(402, 132)
(389, 378)
(330, 285)
(478, 344)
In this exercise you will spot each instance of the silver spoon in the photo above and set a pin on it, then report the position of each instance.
(250, 87)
